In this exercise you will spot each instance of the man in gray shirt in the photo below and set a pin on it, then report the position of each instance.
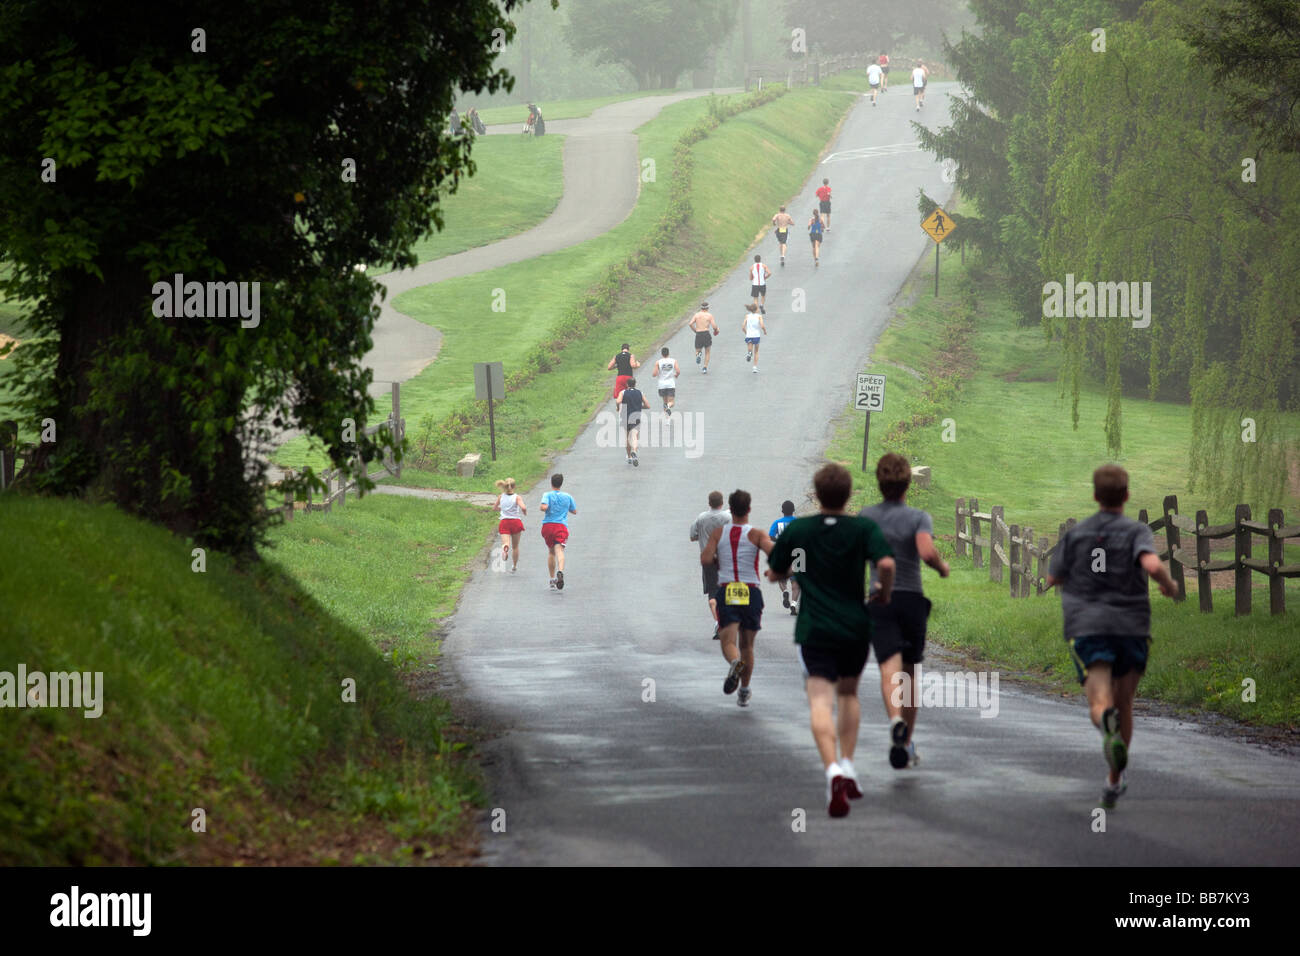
(701, 530)
(1102, 565)
(898, 628)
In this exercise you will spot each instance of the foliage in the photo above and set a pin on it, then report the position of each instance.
(655, 39)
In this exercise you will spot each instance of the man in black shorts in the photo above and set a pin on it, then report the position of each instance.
(828, 554)
(701, 531)
(632, 399)
(898, 628)
(705, 327)
(782, 221)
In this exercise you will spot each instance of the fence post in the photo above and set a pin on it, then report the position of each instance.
(1142, 516)
(997, 537)
(1014, 556)
(1040, 572)
(1203, 594)
(977, 552)
(1242, 544)
(397, 417)
(1027, 559)
(8, 452)
(960, 545)
(1174, 540)
(1276, 583)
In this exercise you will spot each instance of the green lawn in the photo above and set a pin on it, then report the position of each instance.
(222, 690)
(560, 109)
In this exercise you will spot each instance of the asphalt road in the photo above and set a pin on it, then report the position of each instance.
(588, 772)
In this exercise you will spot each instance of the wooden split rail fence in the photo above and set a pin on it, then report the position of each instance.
(1027, 559)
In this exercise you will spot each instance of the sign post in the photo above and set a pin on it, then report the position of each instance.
(938, 226)
(869, 397)
(490, 383)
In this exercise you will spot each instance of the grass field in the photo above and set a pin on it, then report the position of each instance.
(221, 690)
(996, 384)
(560, 109)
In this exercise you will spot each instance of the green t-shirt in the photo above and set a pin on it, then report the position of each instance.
(828, 555)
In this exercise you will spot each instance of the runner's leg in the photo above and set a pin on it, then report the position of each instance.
(848, 714)
(747, 653)
(821, 701)
(514, 544)
(559, 557)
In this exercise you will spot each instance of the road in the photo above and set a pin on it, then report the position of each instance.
(588, 772)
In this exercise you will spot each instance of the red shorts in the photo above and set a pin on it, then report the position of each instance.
(554, 534)
(510, 526)
(620, 383)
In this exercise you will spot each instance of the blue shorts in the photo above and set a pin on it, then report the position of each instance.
(749, 341)
(1123, 652)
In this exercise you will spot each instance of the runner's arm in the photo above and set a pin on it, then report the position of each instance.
(497, 506)
(761, 539)
(1153, 566)
(611, 363)
(885, 578)
(710, 552)
(523, 508)
(926, 551)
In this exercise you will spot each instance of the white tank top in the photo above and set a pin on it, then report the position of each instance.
(737, 555)
(510, 506)
(753, 326)
(756, 274)
(667, 373)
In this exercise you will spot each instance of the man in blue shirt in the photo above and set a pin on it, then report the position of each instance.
(557, 506)
(787, 515)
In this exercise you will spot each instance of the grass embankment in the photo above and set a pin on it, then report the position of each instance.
(560, 109)
(997, 384)
(222, 690)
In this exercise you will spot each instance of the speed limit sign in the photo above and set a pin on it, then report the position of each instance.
(870, 395)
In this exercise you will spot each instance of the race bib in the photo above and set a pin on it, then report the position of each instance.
(737, 593)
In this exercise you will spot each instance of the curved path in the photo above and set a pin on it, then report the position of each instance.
(601, 182)
(589, 772)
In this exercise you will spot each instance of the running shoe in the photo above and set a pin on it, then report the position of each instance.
(733, 676)
(851, 789)
(816, 263)
(559, 580)
(749, 356)
(794, 608)
(513, 569)
(912, 759)
(898, 743)
(743, 697)
(837, 798)
(697, 358)
(755, 369)
(783, 260)
(636, 462)
(715, 632)
(705, 370)
(629, 461)
(1112, 792)
(552, 584)
(762, 310)
(1112, 744)
(785, 598)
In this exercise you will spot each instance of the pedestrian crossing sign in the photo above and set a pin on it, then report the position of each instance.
(938, 225)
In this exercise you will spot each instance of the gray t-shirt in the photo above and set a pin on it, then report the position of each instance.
(1104, 589)
(901, 523)
(703, 526)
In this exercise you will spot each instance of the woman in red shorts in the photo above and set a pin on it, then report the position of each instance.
(512, 510)
(624, 361)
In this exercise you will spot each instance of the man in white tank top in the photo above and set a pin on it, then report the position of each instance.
(758, 274)
(754, 332)
(736, 545)
(667, 370)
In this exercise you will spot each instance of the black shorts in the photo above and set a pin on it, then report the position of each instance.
(832, 663)
(757, 290)
(1123, 652)
(782, 236)
(703, 339)
(667, 393)
(825, 207)
(634, 421)
(815, 236)
(749, 616)
(917, 90)
(899, 626)
(709, 572)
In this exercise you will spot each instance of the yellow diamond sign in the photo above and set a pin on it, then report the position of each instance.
(938, 225)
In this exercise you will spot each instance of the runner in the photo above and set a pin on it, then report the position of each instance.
(758, 274)
(824, 199)
(787, 515)
(667, 369)
(705, 327)
(557, 505)
(782, 221)
(874, 79)
(898, 629)
(701, 529)
(754, 331)
(512, 509)
(624, 361)
(1102, 565)
(739, 598)
(828, 553)
(919, 77)
(634, 401)
(815, 231)
(883, 62)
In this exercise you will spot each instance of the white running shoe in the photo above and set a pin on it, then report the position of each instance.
(743, 697)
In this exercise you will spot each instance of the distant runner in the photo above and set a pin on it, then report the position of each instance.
(898, 628)
(754, 331)
(1102, 565)
(883, 62)
(512, 510)
(828, 553)
(739, 598)
(815, 230)
(919, 78)
(787, 515)
(758, 274)
(782, 221)
(667, 369)
(624, 361)
(634, 401)
(557, 506)
(701, 530)
(874, 79)
(705, 327)
(824, 200)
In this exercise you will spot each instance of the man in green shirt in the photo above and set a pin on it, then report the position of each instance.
(828, 554)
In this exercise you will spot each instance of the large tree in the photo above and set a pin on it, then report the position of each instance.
(870, 26)
(212, 139)
(655, 39)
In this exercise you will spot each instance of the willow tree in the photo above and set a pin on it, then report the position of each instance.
(238, 142)
(1153, 182)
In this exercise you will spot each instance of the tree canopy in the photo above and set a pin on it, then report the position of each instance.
(655, 39)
